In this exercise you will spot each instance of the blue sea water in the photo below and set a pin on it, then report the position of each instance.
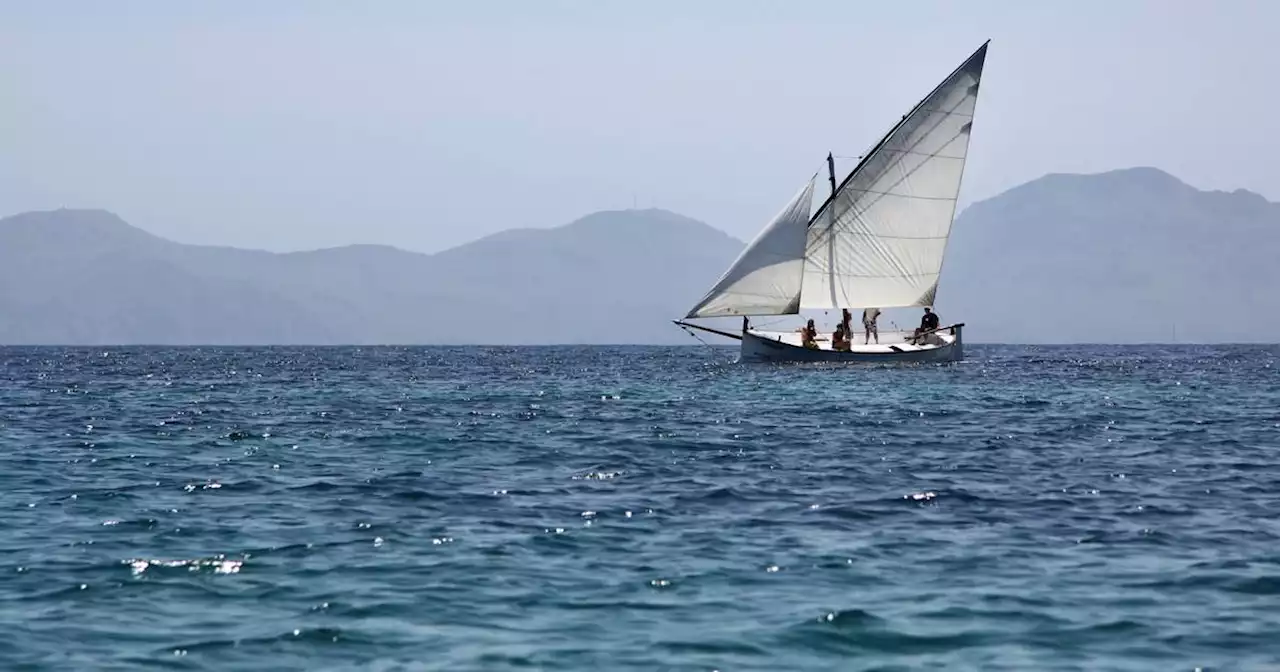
(1048, 508)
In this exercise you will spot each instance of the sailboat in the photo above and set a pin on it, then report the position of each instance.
(877, 241)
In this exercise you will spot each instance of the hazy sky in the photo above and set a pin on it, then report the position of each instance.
(289, 125)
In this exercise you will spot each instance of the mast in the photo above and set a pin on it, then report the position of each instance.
(831, 172)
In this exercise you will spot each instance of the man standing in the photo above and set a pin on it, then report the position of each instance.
(869, 317)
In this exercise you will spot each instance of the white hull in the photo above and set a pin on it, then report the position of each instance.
(946, 345)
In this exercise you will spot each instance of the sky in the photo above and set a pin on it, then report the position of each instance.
(290, 124)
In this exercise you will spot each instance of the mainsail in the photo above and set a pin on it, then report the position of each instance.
(880, 239)
(765, 278)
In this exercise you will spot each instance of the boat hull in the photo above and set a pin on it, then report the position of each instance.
(760, 348)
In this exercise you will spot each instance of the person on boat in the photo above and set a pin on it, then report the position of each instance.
(869, 317)
(846, 321)
(840, 339)
(928, 322)
(809, 336)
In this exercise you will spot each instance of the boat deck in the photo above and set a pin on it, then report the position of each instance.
(890, 342)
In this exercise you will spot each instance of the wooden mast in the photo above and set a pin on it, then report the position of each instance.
(831, 173)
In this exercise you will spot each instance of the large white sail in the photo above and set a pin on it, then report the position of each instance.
(765, 278)
(880, 240)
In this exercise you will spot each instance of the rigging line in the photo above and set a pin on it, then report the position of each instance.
(691, 333)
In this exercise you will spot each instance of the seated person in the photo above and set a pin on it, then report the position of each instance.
(928, 323)
(840, 340)
(809, 336)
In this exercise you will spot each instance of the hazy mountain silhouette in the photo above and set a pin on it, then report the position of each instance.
(1123, 256)
(85, 276)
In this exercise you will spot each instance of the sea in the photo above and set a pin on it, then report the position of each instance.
(638, 508)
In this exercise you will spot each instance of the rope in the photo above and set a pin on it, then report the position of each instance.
(689, 331)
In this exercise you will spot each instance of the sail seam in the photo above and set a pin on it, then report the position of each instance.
(896, 275)
(913, 153)
(911, 196)
(889, 237)
(951, 112)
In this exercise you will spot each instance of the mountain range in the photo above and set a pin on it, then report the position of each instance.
(1127, 256)
(1131, 255)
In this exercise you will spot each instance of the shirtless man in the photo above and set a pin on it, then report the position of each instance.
(809, 336)
(840, 339)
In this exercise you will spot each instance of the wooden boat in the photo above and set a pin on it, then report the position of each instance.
(878, 241)
(944, 344)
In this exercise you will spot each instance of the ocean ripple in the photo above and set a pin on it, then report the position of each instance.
(1073, 508)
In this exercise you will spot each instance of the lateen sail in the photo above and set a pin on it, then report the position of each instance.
(880, 240)
(765, 278)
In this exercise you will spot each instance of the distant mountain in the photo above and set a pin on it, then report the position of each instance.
(87, 277)
(1126, 256)
(1118, 257)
